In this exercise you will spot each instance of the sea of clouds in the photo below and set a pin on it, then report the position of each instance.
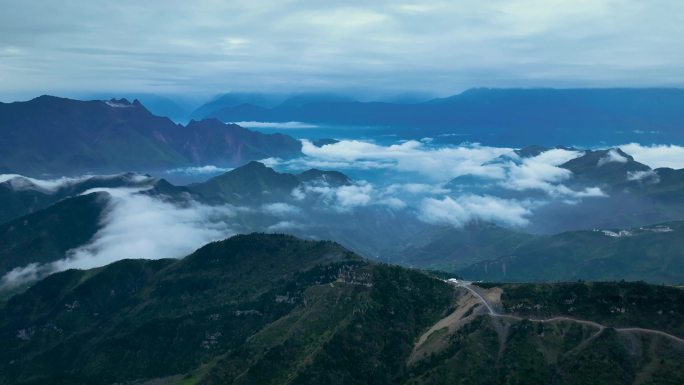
(421, 183)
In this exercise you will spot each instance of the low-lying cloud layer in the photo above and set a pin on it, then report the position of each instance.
(277, 125)
(613, 156)
(459, 211)
(457, 184)
(413, 180)
(657, 155)
(138, 226)
(199, 170)
(49, 186)
(435, 163)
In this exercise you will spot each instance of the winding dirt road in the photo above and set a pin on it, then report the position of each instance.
(494, 313)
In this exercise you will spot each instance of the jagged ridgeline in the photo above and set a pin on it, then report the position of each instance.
(274, 309)
(58, 136)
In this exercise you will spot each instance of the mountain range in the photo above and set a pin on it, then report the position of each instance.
(505, 117)
(50, 135)
(650, 253)
(256, 183)
(626, 193)
(305, 204)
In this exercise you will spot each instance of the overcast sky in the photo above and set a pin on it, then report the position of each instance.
(206, 47)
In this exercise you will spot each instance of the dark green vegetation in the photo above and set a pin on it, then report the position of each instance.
(66, 137)
(245, 305)
(20, 196)
(254, 183)
(505, 351)
(272, 309)
(614, 304)
(452, 249)
(651, 253)
(251, 183)
(46, 235)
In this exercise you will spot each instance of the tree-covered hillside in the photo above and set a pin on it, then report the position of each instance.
(273, 309)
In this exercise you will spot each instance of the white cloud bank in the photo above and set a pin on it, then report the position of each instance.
(459, 211)
(542, 172)
(281, 209)
(657, 155)
(611, 157)
(141, 226)
(50, 186)
(138, 226)
(199, 170)
(342, 198)
(437, 163)
(278, 125)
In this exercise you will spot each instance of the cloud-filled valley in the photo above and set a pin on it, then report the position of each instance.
(140, 226)
(398, 192)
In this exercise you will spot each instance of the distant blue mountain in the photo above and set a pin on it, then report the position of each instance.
(303, 99)
(265, 101)
(234, 99)
(513, 117)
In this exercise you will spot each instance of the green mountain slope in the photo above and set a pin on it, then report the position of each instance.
(273, 309)
(20, 196)
(251, 183)
(449, 249)
(650, 253)
(254, 183)
(506, 351)
(46, 235)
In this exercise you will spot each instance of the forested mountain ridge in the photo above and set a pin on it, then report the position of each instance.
(272, 309)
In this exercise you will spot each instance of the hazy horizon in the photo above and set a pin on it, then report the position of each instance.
(198, 98)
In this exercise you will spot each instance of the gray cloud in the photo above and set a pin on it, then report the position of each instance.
(439, 46)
